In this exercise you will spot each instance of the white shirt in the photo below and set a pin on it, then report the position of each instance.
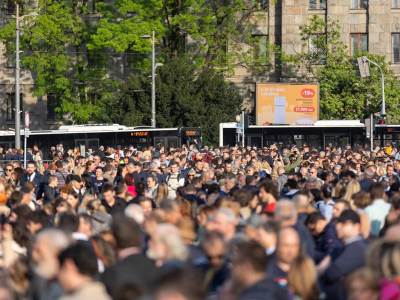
(377, 213)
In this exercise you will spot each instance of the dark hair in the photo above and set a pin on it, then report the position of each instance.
(243, 197)
(314, 217)
(107, 187)
(326, 191)
(127, 232)
(271, 226)
(252, 253)
(129, 179)
(39, 217)
(377, 190)
(270, 187)
(83, 256)
(68, 222)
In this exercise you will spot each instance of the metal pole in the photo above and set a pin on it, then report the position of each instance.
(383, 94)
(17, 70)
(25, 140)
(153, 82)
(383, 112)
(371, 134)
(243, 142)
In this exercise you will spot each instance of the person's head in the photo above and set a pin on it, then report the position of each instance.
(85, 225)
(166, 244)
(303, 277)
(389, 170)
(127, 233)
(289, 245)
(78, 265)
(174, 167)
(213, 246)
(340, 206)
(377, 191)
(302, 202)
(362, 285)
(267, 234)
(151, 181)
(147, 205)
(316, 223)
(108, 193)
(268, 192)
(286, 213)
(99, 173)
(223, 221)
(68, 222)
(230, 182)
(9, 169)
(248, 258)
(53, 181)
(348, 225)
(46, 247)
(73, 199)
(361, 199)
(171, 210)
(30, 167)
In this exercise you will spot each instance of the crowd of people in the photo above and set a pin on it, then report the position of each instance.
(213, 223)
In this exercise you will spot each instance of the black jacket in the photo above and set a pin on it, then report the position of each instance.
(351, 258)
(133, 271)
(263, 290)
(37, 182)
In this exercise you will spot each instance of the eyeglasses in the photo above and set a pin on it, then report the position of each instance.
(8, 170)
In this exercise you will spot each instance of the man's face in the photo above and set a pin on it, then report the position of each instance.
(389, 171)
(338, 209)
(288, 247)
(215, 252)
(147, 207)
(228, 168)
(30, 169)
(108, 196)
(347, 230)
(174, 168)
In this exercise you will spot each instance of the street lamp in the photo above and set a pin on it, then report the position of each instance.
(154, 67)
(17, 77)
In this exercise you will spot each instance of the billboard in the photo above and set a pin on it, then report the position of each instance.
(285, 103)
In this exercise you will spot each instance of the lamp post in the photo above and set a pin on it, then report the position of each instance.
(17, 78)
(17, 88)
(154, 67)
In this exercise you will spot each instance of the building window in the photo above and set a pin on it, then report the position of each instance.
(261, 49)
(51, 107)
(317, 4)
(395, 48)
(395, 3)
(10, 106)
(316, 48)
(359, 4)
(358, 43)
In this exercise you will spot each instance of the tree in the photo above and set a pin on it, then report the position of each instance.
(183, 99)
(343, 94)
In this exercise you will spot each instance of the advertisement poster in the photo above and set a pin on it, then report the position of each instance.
(285, 103)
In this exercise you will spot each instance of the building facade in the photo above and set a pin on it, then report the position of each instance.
(372, 25)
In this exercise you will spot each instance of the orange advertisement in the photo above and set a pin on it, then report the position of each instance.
(285, 103)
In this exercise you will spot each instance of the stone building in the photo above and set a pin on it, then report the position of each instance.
(373, 26)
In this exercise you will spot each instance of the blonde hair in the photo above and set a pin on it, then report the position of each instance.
(302, 278)
(162, 193)
(352, 188)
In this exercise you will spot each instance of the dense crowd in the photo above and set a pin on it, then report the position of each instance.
(213, 223)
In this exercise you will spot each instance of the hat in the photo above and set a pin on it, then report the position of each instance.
(349, 215)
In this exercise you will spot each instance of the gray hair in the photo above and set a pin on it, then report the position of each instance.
(285, 210)
(55, 238)
(170, 237)
(135, 212)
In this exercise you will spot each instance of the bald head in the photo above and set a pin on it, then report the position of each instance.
(286, 213)
(288, 245)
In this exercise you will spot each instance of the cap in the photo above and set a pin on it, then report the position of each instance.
(349, 215)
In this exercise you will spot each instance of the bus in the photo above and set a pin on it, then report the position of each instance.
(93, 136)
(323, 133)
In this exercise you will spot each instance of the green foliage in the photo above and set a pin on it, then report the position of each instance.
(96, 63)
(343, 93)
(182, 99)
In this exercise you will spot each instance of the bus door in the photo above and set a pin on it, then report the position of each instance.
(167, 141)
(255, 140)
(87, 143)
(339, 139)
